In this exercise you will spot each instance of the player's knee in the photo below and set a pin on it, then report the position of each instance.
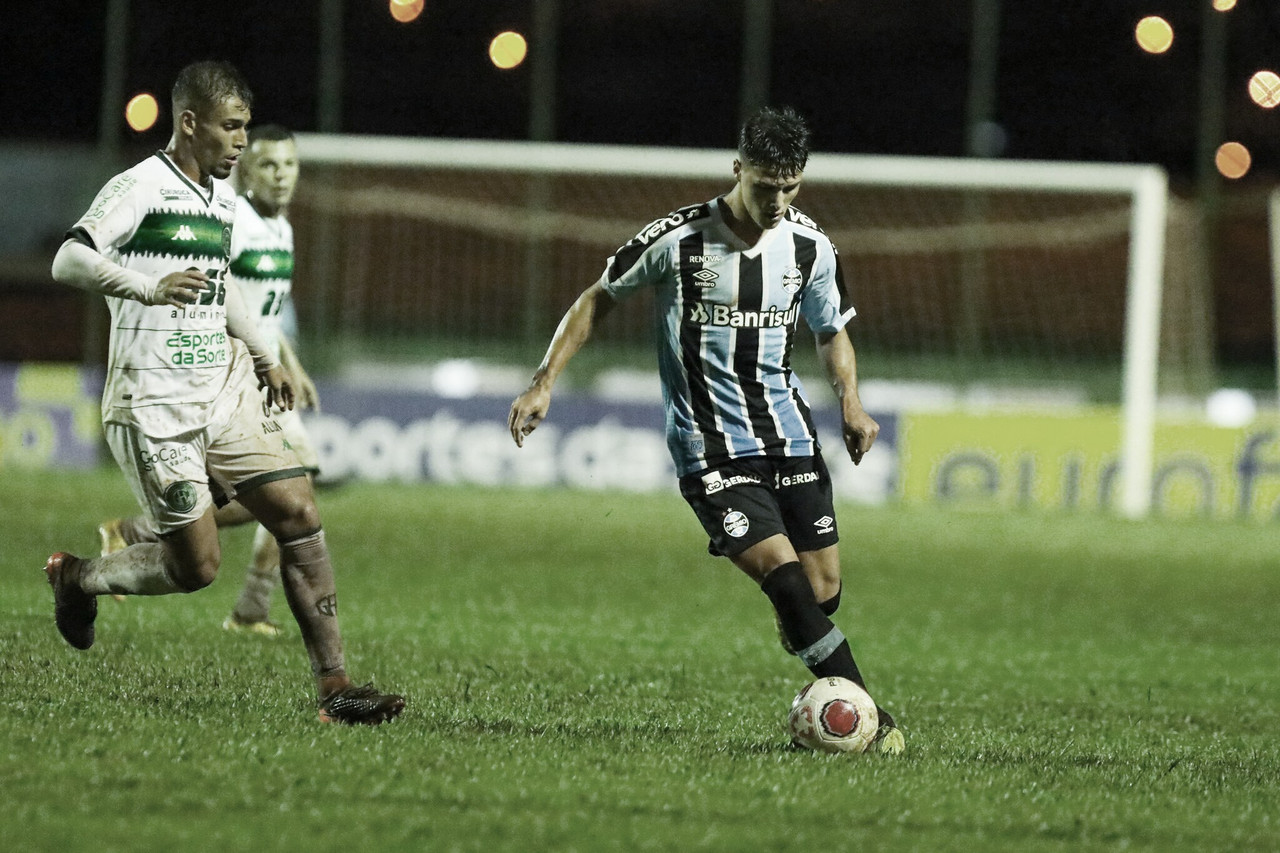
(196, 571)
(298, 518)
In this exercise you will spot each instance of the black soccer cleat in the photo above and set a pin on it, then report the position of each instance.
(73, 609)
(362, 705)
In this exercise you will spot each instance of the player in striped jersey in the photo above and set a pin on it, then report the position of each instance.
(730, 278)
(262, 268)
(181, 409)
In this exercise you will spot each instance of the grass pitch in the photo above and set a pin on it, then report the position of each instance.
(582, 677)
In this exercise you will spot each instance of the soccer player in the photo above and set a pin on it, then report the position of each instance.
(262, 267)
(730, 278)
(181, 408)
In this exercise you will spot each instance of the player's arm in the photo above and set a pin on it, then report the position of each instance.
(841, 364)
(242, 325)
(576, 326)
(79, 264)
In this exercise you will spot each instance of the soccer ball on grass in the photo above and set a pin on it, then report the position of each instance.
(833, 715)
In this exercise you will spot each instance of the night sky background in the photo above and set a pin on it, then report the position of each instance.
(872, 77)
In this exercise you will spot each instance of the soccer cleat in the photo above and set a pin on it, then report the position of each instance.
(261, 627)
(362, 705)
(112, 541)
(73, 609)
(888, 739)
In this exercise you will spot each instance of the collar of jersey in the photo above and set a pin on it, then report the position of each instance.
(208, 201)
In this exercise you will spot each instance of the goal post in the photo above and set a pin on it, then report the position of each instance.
(552, 212)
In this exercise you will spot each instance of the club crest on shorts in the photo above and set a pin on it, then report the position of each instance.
(180, 496)
(736, 524)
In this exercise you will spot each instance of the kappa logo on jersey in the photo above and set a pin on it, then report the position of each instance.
(736, 524)
(791, 280)
(727, 315)
(184, 232)
(714, 482)
(265, 264)
(826, 524)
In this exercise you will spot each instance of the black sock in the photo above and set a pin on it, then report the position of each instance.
(817, 641)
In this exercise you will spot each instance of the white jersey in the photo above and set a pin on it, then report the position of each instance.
(262, 267)
(166, 365)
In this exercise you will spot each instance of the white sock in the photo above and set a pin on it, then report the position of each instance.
(137, 570)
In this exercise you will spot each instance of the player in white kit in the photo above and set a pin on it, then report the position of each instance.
(181, 409)
(262, 268)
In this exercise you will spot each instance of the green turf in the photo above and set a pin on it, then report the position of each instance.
(582, 677)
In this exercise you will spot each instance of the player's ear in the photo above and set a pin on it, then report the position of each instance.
(737, 169)
(187, 122)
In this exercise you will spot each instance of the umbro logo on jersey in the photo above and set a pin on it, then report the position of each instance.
(826, 524)
(184, 232)
(705, 278)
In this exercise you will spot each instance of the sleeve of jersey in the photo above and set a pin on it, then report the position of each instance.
(84, 262)
(823, 303)
(635, 265)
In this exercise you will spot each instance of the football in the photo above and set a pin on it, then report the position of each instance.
(833, 715)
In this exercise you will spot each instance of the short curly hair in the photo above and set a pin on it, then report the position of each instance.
(776, 139)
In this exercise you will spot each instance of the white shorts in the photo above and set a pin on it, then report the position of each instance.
(295, 434)
(177, 479)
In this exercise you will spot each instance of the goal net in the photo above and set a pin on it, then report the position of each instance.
(973, 279)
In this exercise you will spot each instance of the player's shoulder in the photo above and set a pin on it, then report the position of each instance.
(803, 222)
(677, 220)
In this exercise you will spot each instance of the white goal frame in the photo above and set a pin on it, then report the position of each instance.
(1145, 185)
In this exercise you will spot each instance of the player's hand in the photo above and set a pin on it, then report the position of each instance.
(279, 389)
(527, 412)
(181, 288)
(860, 431)
(305, 390)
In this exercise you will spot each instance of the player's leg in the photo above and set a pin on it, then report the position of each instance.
(182, 561)
(286, 507)
(252, 609)
(805, 497)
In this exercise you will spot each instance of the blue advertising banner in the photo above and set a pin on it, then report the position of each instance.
(585, 443)
(49, 416)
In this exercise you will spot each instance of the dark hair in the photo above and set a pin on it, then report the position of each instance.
(776, 139)
(270, 133)
(203, 85)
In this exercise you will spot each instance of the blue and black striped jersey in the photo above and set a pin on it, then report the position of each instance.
(726, 318)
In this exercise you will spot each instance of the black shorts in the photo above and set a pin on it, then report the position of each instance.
(745, 501)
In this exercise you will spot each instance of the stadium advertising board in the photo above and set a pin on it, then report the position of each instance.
(1069, 462)
(49, 416)
(586, 444)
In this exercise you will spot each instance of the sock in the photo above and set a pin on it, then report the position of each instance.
(137, 570)
(817, 641)
(254, 603)
(306, 573)
(137, 529)
(832, 604)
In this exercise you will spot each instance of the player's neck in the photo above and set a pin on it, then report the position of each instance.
(735, 216)
(186, 164)
(264, 208)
